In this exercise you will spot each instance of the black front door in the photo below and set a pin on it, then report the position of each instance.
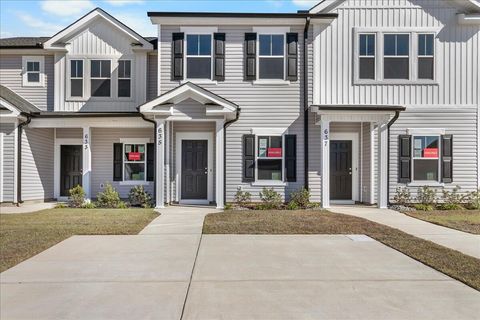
(341, 170)
(194, 169)
(70, 168)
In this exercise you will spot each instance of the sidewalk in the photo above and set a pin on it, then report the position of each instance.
(464, 242)
(27, 208)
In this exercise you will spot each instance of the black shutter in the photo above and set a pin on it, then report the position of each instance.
(291, 157)
(117, 161)
(177, 56)
(150, 161)
(248, 158)
(405, 159)
(250, 56)
(447, 158)
(292, 53)
(219, 59)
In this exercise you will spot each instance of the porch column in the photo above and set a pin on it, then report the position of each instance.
(87, 163)
(167, 160)
(220, 163)
(325, 142)
(382, 179)
(160, 164)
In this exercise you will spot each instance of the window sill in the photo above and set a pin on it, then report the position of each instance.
(272, 82)
(199, 81)
(425, 184)
(268, 184)
(135, 183)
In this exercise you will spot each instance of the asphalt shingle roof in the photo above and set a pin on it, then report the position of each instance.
(23, 42)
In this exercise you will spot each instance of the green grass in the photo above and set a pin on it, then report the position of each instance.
(463, 220)
(451, 262)
(25, 235)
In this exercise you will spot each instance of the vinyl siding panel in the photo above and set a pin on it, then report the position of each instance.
(69, 133)
(8, 165)
(152, 76)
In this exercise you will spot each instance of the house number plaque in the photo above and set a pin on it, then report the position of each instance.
(325, 136)
(159, 136)
(85, 141)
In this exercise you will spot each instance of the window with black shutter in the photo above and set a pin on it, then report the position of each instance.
(292, 52)
(250, 56)
(150, 161)
(291, 158)
(117, 161)
(248, 158)
(219, 60)
(177, 56)
(405, 159)
(447, 158)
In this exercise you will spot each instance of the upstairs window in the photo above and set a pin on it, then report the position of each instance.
(76, 78)
(124, 78)
(199, 56)
(396, 56)
(32, 71)
(425, 56)
(426, 158)
(100, 78)
(270, 158)
(271, 56)
(366, 56)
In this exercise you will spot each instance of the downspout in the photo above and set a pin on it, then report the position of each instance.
(225, 125)
(397, 114)
(154, 153)
(305, 101)
(19, 156)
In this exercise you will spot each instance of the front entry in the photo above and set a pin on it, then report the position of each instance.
(341, 170)
(70, 168)
(194, 183)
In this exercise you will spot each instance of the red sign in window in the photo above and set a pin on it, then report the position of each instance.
(430, 153)
(134, 156)
(274, 152)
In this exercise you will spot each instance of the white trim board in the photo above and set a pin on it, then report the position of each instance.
(178, 161)
(350, 136)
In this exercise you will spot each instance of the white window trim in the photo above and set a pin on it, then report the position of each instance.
(69, 78)
(198, 31)
(439, 170)
(266, 183)
(112, 93)
(134, 182)
(117, 80)
(41, 61)
(269, 32)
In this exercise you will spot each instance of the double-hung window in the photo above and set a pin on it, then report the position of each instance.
(124, 78)
(270, 158)
(426, 158)
(33, 73)
(76, 78)
(425, 56)
(271, 56)
(199, 56)
(134, 162)
(366, 56)
(396, 59)
(100, 78)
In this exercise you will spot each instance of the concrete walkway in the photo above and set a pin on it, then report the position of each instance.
(462, 241)
(27, 208)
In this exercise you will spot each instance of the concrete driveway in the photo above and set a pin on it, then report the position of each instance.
(169, 273)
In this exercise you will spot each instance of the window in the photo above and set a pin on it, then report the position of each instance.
(76, 78)
(199, 56)
(124, 78)
(100, 74)
(425, 56)
(396, 56)
(367, 56)
(32, 71)
(271, 56)
(134, 162)
(270, 158)
(426, 157)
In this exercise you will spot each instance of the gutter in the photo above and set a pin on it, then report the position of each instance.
(389, 124)
(19, 155)
(154, 154)
(225, 125)
(305, 102)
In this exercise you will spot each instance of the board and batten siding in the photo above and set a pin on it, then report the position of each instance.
(262, 106)
(11, 77)
(37, 164)
(7, 130)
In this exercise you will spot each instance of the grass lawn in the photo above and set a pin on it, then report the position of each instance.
(453, 263)
(24, 235)
(463, 220)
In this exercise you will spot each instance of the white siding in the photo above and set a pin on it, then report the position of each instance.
(8, 164)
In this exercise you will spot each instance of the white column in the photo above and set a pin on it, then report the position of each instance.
(220, 163)
(325, 141)
(167, 160)
(160, 164)
(382, 182)
(87, 162)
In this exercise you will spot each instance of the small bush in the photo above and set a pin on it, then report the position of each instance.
(228, 206)
(423, 207)
(122, 205)
(473, 200)
(270, 199)
(292, 205)
(77, 196)
(89, 205)
(426, 196)
(108, 198)
(138, 197)
(402, 196)
(242, 198)
(452, 200)
(300, 198)
(61, 205)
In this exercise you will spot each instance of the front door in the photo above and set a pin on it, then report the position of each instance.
(341, 170)
(194, 169)
(70, 168)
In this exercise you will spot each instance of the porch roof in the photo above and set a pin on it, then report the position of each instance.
(16, 103)
(356, 113)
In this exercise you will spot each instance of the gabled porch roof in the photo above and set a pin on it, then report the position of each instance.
(14, 104)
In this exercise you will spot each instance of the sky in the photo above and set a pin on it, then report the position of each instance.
(20, 18)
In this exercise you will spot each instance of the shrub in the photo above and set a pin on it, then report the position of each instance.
(300, 198)
(242, 198)
(122, 205)
(472, 200)
(228, 206)
(77, 196)
(108, 198)
(61, 205)
(452, 200)
(292, 205)
(270, 199)
(423, 207)
(402, 196)
(138, 197)
(426, 195)
(89, 205)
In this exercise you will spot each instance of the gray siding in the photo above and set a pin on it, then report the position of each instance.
(8, 132)
(69, 133)
(152, 76)
(37, 164)
(11, 77)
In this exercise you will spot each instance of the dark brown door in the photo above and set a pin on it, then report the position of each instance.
(194, 169)
(341, 170)
(70, 168)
